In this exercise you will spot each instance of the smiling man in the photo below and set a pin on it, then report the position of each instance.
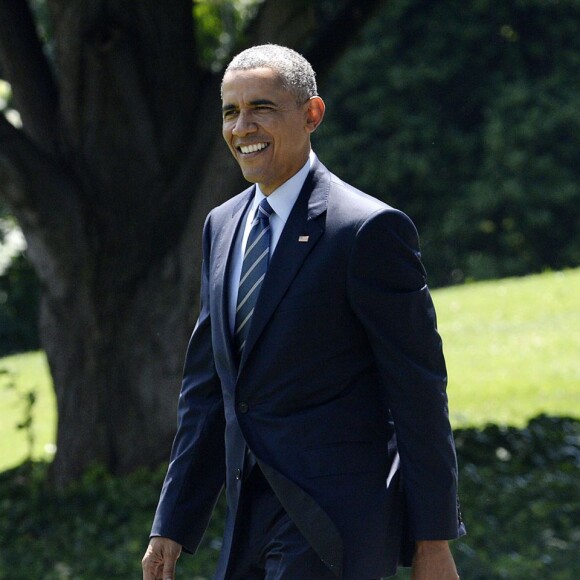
(262, 132)
(314, 382)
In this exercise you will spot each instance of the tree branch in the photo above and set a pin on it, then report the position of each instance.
(14, 146)
(322, 31)
(26, 68)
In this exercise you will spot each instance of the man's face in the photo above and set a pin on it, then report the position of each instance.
(267, 131)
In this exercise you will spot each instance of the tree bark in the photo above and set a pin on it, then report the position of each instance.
(111, 178)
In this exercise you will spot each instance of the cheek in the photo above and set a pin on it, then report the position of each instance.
(227, 135)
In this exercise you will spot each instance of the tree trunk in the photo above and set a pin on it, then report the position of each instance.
(111, 178)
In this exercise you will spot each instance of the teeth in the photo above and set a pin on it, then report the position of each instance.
(253, 148)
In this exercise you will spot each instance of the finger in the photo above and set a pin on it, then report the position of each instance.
(152, 565)
(151, 571)
(169, 569)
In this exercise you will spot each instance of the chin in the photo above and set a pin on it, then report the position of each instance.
(251, 177)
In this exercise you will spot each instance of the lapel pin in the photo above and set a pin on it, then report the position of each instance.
(303, 238)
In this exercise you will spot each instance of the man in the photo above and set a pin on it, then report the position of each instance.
(314, 382)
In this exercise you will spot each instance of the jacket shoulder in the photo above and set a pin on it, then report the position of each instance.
(350, 205)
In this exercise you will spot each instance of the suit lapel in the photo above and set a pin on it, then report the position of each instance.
(224, 246)
(302, 231)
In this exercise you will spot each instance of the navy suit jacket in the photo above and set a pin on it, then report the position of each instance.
(340, 393)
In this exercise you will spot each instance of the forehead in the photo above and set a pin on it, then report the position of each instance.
(241, 86)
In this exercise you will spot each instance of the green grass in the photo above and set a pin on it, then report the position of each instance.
(28, 372)
(511, 348)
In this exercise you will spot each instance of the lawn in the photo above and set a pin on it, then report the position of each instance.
(28, 373)
(511, 346)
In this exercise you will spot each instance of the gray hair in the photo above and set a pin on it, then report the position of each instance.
(295, 71)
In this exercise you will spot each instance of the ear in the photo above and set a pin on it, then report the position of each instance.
(314, 113)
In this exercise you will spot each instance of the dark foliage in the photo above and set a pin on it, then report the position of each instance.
(521, 501)
(19, 295)
(465, 116)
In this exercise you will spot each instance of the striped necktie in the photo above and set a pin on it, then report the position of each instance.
(254, 266)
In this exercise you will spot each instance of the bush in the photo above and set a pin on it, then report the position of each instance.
(521, 499)
(465, 116)
(96, 529)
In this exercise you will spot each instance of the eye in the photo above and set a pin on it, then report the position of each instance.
(229, 114)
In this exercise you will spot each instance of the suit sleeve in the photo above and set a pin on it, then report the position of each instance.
(388, 292)
(196, 472)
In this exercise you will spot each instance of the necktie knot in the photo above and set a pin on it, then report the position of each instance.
(264, 210)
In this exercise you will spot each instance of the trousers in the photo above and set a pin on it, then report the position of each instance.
(267, 544)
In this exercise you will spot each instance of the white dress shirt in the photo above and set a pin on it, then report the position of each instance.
(281, 201)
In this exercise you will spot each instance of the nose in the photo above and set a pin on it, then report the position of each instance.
(244, 124)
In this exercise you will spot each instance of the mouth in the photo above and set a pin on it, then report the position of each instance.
(253, 148)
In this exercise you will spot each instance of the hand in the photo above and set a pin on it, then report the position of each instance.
(160, 558)
(433, 561)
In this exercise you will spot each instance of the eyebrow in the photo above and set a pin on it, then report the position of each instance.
(255, 103)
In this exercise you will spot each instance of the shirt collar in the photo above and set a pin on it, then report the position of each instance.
(283, 198)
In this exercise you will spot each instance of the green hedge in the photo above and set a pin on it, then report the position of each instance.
(519, 491)
(97, 529)
(521, 501)
(464, 114)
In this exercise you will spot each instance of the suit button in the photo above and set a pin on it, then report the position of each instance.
(243, 407)
(238, 474)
